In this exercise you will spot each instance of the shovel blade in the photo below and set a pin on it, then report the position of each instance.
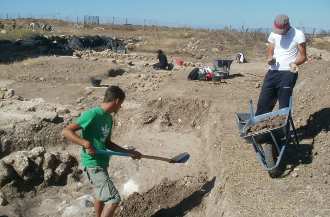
(181, 158)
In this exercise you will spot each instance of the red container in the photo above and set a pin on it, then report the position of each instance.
(179, 62)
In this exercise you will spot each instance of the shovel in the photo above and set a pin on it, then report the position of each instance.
(180, 158)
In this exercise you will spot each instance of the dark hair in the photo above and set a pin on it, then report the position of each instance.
(112, 93)
(159, 51)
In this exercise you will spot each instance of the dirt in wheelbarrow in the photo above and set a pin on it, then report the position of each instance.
(267, 124)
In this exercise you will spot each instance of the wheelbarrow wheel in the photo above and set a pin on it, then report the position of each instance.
(271, 158)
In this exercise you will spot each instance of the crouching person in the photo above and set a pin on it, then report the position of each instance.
(163, 63)
(96, 127)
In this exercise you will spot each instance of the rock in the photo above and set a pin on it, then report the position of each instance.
(149, 119)
(6, 174)
(50, 161)
(48, 116)
(36, 152)
(5, 144)
(75, 176)
(80, 99)
(38, 161)
(75, 113)
(294, 174)
(165, 120)
(3, 200)
(257, 85)
(48, 176)
(215, 50)
(62, 111)
(31, 109)
(10, 191)
(62, 169)
(19, 161)
(67, 159)
(2, 94)
(9, 93)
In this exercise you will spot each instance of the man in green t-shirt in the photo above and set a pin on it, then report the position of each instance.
(96, 126)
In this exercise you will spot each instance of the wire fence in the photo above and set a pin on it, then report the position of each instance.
(115, 20)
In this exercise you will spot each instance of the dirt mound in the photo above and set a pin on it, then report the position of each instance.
(176, 112)
(169, 198)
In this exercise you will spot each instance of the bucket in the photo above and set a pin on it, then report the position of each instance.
(96, 82)
(179, 62)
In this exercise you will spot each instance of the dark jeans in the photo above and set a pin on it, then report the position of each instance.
(158, 66)
(277, 85)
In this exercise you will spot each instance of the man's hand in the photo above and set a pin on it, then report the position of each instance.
(293, 67)
(271, 61)
(135, 154)
(89, 148)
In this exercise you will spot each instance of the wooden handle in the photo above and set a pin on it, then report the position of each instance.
(156, 158)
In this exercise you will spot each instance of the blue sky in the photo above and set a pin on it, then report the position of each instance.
(203, 13)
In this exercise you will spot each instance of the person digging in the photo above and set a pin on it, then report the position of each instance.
(96, 127)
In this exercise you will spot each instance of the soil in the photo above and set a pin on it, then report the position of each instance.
(267, 124)
(164, 114)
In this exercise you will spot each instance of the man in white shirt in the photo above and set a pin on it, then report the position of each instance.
(286, 51)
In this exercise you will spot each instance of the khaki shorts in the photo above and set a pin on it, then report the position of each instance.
(104, 188)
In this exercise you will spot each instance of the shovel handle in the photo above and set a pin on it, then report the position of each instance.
(157, 158)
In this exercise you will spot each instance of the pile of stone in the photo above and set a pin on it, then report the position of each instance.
(23, 171)
(7, 93)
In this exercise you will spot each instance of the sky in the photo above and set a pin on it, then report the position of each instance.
(202, 13)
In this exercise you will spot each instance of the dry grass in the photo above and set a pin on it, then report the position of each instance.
(322, 43)
(16, 34)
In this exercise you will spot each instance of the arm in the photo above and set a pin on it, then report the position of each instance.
(270, 53)
(302, 57)
(69, 132)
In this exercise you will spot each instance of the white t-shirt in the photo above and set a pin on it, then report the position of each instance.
(241, 57)
(286, 48)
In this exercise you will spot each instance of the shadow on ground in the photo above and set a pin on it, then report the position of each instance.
(297, 154)
(232, 76)
(188, 203)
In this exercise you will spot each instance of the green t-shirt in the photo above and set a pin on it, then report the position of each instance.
(96, 126)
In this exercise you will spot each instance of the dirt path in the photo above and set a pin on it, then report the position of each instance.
(199, 117)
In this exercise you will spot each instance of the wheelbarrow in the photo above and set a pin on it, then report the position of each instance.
(222, 68)
(271, 142)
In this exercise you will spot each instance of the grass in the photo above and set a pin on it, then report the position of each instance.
(13, 35)
(321, 43)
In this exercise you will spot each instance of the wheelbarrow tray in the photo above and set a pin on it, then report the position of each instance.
(246, 120)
